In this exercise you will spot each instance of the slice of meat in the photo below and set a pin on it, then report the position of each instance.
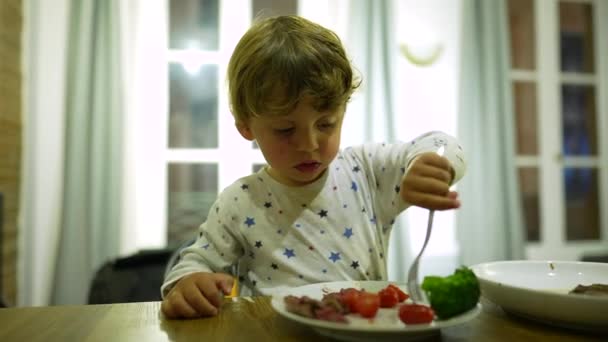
(328, 313)
(303, 306)
(329, 309)
(334, 300)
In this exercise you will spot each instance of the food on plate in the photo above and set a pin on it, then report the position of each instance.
(388, 297)
(454, 294)
(335, 306)
(591, 290)
(349, 298)
(402, 295)
(416, 314)
(330, 308)
(449, 296)
(367, 304)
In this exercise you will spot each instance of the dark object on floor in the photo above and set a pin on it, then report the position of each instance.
(136, 278)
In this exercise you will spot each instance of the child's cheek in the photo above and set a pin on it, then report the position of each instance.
(330, 149)
(280, 153)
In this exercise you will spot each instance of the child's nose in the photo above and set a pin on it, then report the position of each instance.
(306, 141)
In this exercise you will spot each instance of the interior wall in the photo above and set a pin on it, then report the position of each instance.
(10, 142)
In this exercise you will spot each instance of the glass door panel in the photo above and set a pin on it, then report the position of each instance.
(579, 121)
(193, 189)
(193, 116)
(576, 37)
(194, 24)
(522, 36)
(529, 190)
(521, 22)
(582, 204)
(269, 8)
(526, 117)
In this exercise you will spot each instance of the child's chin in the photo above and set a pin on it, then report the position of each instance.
(299, 180)
(310, 177)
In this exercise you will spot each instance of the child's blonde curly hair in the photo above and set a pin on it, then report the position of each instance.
(281, 59)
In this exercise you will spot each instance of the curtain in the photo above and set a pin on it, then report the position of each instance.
(489, 224)
(371, 43)
(77, 176)
(44, 64)
(90, 225)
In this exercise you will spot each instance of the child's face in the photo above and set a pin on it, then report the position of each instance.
(298, 147)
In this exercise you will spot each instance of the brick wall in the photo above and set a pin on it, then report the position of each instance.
(10, 139)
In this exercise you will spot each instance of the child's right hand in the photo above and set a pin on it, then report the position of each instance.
(197, 295)
(427, 183)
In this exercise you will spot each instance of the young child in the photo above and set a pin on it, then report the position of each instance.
(315, 213)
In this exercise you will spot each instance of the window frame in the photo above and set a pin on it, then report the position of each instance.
(550, 162)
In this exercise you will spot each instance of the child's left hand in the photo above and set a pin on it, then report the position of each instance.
(427, 183)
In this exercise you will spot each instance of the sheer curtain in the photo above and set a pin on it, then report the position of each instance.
(372, 44)
(79, 172)
(489, 224)
(90, 225)
(45, 46)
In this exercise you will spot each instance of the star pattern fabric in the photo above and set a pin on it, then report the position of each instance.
(336, 228)
(348, 232)
(250, 221)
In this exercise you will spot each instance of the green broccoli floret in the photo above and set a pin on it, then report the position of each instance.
(454, 294)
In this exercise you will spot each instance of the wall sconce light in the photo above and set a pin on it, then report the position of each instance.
(420, 55)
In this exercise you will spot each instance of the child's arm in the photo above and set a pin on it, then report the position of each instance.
(195, 286)
(402, 174)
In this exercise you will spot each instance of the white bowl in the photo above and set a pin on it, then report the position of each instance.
(539, 290)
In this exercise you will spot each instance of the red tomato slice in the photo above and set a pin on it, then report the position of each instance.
(349, 298)
(368, 304)
(388, 297)
(416, 314)
(402, 295)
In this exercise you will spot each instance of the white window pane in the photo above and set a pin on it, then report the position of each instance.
(194, 24)
(192, 189)
(193, 97)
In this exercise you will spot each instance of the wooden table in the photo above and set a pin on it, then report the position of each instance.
(244, 319)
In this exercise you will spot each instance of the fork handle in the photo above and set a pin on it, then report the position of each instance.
(428, 229)
(413, 286)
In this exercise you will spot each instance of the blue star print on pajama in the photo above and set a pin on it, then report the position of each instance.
(336, 228)
(334, 257)
(348, 232)
(289, 253)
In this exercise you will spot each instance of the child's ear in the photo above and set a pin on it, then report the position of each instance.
(244, 130)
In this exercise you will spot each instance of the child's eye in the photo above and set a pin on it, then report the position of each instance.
(284, 131)
(327, 125)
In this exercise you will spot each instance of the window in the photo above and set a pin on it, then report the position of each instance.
(201, 133)
(559, 87)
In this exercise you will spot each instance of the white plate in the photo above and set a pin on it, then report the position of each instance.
(385, 326)
(539, 290)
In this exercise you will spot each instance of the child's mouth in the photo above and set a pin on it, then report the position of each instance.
(308, 167)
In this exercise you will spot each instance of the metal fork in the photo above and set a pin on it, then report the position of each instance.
(413, 287)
